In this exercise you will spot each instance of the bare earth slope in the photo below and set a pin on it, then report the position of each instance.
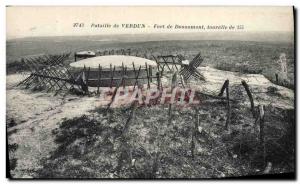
(38, 124)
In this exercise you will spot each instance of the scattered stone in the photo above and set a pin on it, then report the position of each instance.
(200, 129)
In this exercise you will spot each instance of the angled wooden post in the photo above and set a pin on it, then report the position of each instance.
(156, 60)
(246, 86)
(148, 80)
(137, 76)
(150, 73)
(114, 94)
(133, 66)
(226, 83)
(228, 107)
(41, 81)
(165, 62)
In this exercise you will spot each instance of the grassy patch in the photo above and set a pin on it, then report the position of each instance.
(155, 147)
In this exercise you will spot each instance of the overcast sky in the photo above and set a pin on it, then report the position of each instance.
(58, 21)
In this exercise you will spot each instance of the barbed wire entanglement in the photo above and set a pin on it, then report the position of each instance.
(166, 63)
(51, 74)
(48, 73)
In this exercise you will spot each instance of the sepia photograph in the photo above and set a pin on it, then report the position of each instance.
(150, 92)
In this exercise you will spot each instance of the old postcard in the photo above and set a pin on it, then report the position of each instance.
(151, 92)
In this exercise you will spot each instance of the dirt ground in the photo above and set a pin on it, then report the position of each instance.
(68, 136)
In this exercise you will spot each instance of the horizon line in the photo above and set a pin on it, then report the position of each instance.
(121, 34)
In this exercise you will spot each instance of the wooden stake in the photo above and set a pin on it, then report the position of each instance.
(133, 68)
(112, 75)
(136, 77)
(150, 72)
(250, 97)
(159, 83)
(99, 78)
(148, 80)
(131, 116)
(228, 107)
(261, 131)
(114, 95)
(173, 85)
(226, 83)
(88, 75)
(194, 131)
(125, 76)
(158, 80)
